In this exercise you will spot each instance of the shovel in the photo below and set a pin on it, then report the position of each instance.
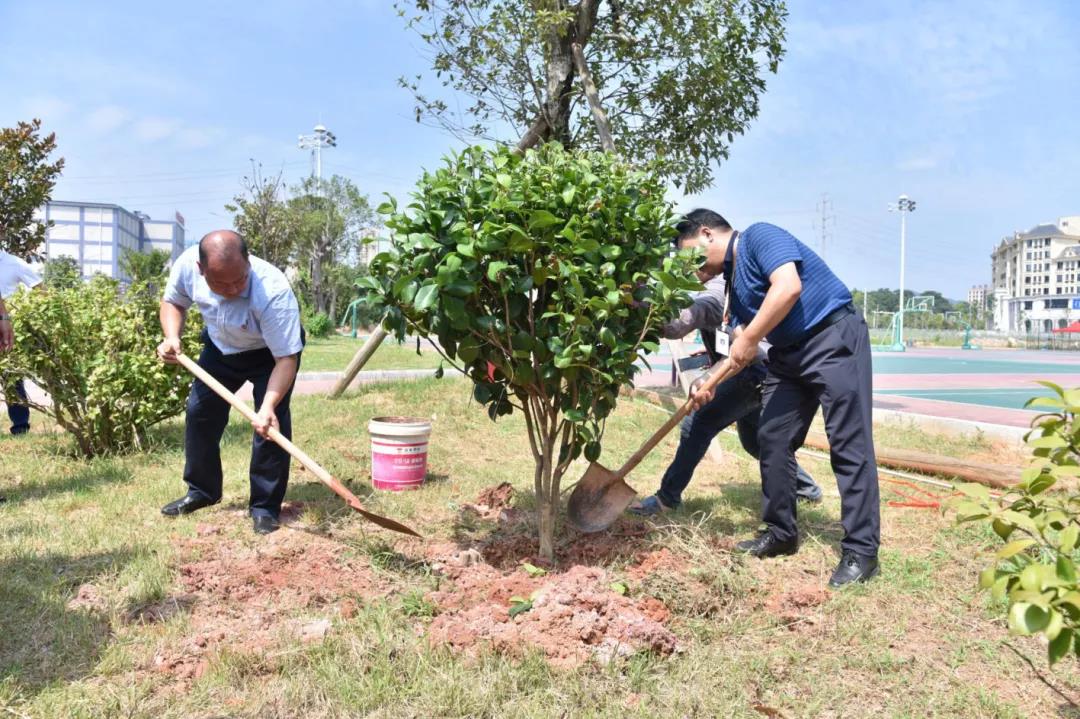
(281, 440)
(602, 495)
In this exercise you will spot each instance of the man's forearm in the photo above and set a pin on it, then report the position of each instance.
(172, 320)
(281, 379)
(778, 302)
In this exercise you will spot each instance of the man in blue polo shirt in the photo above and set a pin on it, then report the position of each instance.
(252, 334)
(782, 292)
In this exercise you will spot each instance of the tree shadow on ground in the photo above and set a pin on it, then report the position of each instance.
(88, 477)
(50, 632)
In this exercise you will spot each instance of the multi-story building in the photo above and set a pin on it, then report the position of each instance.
(97, 234)
(977, 295)
(1036, 278)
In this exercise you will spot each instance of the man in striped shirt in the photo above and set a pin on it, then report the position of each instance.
(782, 292)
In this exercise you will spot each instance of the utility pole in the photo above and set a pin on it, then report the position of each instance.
(903, 205)
(316, 142)
(826, 218)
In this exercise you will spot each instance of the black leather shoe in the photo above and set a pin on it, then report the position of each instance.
(854, 567)
(264, 524)
(766, 545)
(185, 505)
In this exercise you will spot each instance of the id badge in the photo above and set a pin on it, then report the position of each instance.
(723, 343)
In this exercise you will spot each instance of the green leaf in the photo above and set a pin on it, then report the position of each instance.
(592, 451)
(1014, 548)
(608, 337)
(1025, 619)
(539, 219)
(1053, 441)
(619, 588)
(504, 179)
(495, 268)
(1065, 569)
(568, 194)
(532, 570)
(519, 607)
(574, 415)
(426, 297)
(1068, 538)
(1059, 646)
(1002, 529)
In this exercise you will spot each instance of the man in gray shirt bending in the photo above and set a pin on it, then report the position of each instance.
(735, 400)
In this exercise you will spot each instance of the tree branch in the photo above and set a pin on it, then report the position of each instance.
(602, 125)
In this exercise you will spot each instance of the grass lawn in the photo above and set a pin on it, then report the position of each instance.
(331, 354)
(107, 609)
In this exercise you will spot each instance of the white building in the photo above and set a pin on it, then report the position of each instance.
(977, 295)
(97, 234)
(1036, 278)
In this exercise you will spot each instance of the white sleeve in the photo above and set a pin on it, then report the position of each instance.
(178, 288)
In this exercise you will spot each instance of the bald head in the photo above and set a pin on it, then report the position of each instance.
(222, 246)
(223, 261)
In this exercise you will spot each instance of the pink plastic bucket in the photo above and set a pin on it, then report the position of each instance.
(398, 452)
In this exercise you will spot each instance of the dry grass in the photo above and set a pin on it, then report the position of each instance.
(919, 641)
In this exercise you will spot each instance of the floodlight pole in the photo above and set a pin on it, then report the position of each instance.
(903, 205)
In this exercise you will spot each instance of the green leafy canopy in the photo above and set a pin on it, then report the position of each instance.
(1035, 571)
(557, 268)
(91, 347)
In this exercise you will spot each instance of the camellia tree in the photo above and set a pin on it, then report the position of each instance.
(543, 277)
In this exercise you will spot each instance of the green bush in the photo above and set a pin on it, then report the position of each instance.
(318, 324)
(544, 278)
(1035, 571)
(92, 349)
(61, 273)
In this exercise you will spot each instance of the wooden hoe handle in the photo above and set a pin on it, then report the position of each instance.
(721, 373)
(312, 466)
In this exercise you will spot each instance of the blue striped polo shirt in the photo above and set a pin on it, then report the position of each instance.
(761, 249)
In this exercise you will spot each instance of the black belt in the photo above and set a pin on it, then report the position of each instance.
(830, 319)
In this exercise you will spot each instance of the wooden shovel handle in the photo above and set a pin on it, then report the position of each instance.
(281, 440)
(725, 370)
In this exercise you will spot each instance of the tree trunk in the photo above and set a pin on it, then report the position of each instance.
(546, 522)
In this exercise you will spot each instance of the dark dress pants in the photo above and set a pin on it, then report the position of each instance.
(207, 415)
(832, 368)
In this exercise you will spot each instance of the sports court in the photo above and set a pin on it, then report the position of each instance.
(987, 386)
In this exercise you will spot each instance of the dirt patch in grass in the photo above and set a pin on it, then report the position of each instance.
(248, 597)
(797, 607)
(570, 617)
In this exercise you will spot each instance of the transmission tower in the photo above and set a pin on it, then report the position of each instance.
(825, 222)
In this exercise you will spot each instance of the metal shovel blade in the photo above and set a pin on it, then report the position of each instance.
(598, 499)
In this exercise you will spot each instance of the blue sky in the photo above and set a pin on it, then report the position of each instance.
(969, 107)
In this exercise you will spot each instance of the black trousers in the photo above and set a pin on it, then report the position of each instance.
(207, 415)
(832, 368)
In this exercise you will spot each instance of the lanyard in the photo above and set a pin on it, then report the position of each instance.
(729, 278)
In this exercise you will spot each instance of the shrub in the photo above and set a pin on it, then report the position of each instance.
(61, 273)
(318, 324)
(92, 349)
(1035, 571)
(555, 269)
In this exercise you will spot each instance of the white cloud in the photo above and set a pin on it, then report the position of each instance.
(48, 108)
(107, 118)
(152, 129)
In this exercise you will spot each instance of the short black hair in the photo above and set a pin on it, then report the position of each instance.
(694, 220)
(202, 247)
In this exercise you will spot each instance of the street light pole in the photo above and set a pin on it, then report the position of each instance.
(316, 142)
(903, 205)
